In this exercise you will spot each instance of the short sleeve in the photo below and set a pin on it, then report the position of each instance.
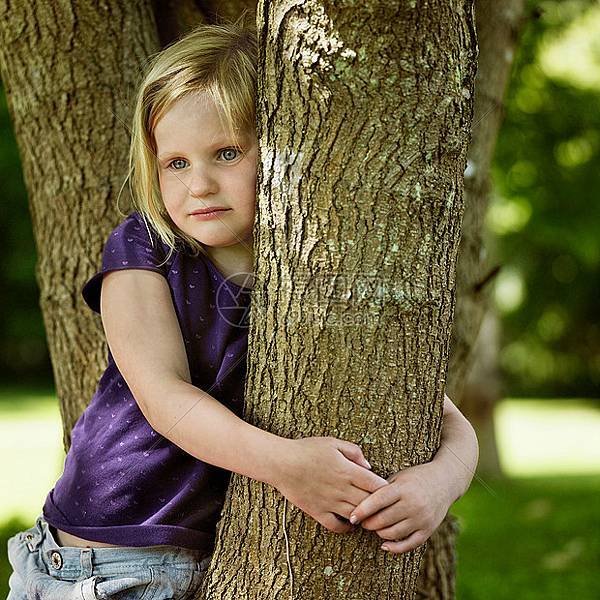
(130, 245)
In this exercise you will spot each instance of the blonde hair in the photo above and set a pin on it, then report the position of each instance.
(217, 59)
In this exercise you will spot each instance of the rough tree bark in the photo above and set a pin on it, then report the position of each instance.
(68, 70)
(364, 132)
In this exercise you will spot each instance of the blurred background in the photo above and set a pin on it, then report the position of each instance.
(530, 523)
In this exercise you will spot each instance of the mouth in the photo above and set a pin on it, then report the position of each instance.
(208, 211)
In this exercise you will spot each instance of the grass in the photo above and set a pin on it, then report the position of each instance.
(533, 536)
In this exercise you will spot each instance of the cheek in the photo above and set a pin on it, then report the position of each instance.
(170, 189)
(251, 204)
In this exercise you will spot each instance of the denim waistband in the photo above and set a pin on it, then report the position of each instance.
(70, 560)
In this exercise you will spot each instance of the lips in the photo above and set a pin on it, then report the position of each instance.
(204, 211)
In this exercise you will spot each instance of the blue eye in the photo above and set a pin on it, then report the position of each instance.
(177, 160)
(235, 150)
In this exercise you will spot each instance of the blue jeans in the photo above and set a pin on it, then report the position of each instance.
(46, 571)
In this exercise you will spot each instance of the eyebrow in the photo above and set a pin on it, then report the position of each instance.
(222, 143)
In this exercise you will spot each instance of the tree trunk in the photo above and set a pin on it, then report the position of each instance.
(498, 29)
(364, 131)
(68, 99)
(69, 71)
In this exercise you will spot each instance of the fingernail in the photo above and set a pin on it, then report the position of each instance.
(353, 519)
(384, 547)
(368, 464)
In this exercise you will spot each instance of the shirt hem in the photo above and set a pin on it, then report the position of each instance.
(139, 535)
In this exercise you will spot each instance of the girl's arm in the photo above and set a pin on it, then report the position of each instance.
(459, 451)
(145, 340)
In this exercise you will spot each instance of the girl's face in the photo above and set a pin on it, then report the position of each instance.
(200, 167)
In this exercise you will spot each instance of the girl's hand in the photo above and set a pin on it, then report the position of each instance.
(325, 477)
(408, 509)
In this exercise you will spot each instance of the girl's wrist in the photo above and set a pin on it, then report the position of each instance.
(444, 468)
(280, 454)
(266, 453)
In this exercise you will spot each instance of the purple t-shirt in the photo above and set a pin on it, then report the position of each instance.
(124, 483)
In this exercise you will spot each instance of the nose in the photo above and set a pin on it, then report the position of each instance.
(202, 182)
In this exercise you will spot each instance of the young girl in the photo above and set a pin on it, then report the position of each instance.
(135, 511)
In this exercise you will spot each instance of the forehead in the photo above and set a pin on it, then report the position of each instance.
(192, 119)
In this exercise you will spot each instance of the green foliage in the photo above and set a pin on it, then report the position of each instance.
(545, 213)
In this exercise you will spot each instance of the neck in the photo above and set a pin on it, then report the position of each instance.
(237, 259)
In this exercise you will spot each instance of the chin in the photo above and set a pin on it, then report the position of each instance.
(219, 241)
(223, 237)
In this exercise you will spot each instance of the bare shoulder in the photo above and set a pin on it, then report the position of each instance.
(134, 284)
(142, 331)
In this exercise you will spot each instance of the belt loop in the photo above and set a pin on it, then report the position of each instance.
(30, 540)
(86, 562)
(88, 588)
(33, 536)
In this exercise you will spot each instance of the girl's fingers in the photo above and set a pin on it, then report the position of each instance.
(353, 452)
(367, 480)
(386, 517)
(356, 495)
(344, 509)
(397, 531)
(406, 545)
(381, 498)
